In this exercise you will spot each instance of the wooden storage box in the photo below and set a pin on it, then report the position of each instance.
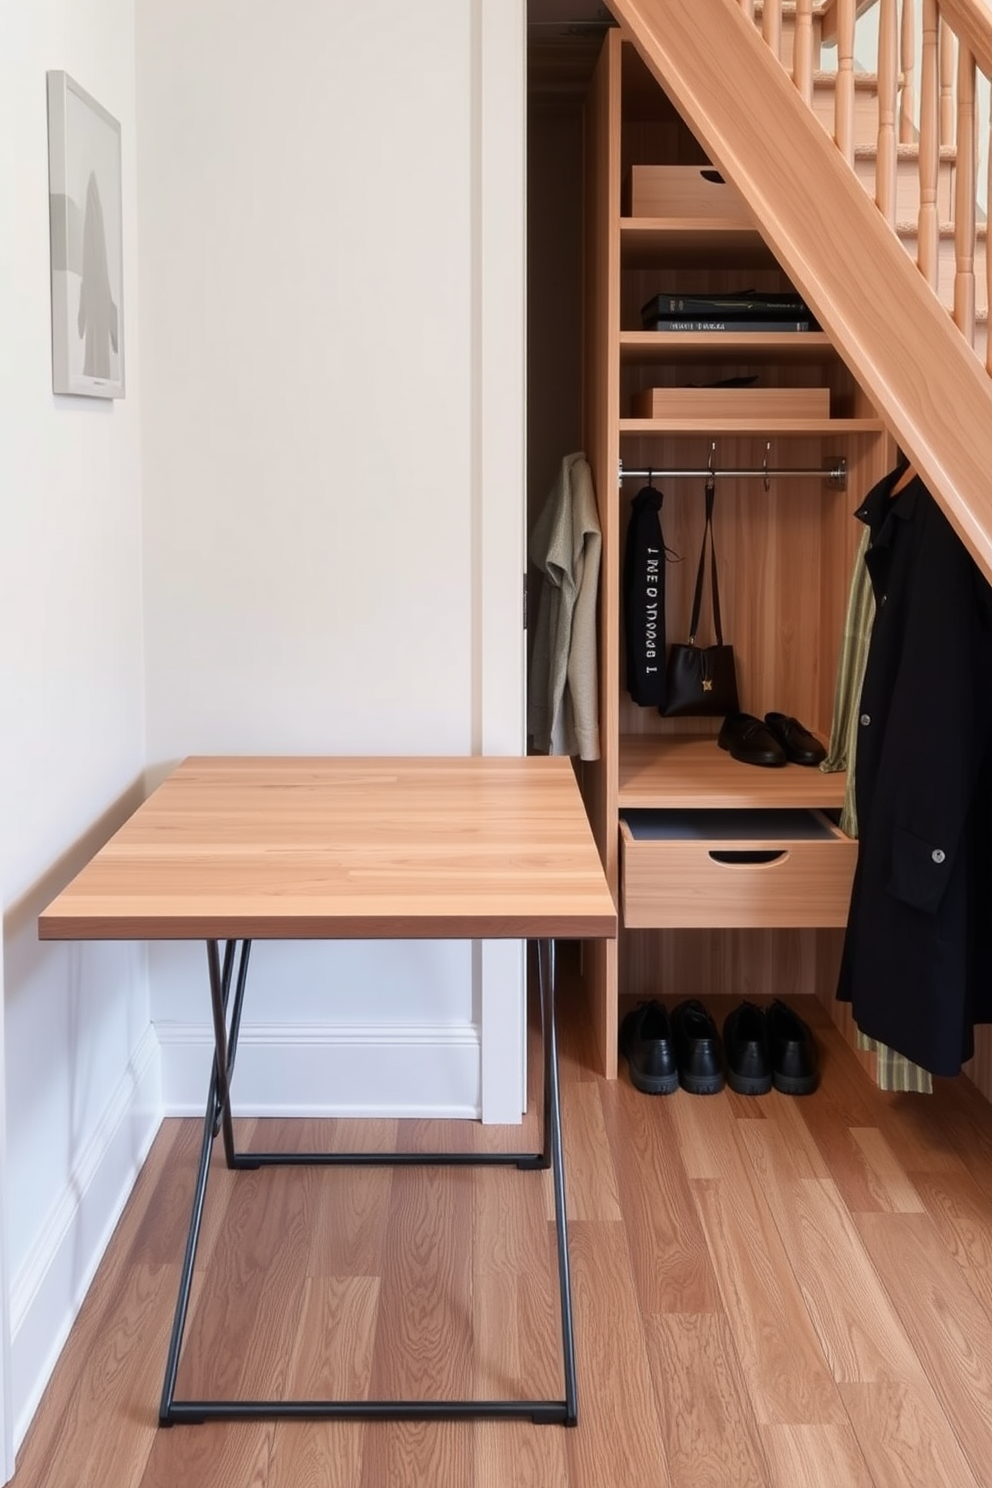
(733, 402)
(734, 869)
(697, 192)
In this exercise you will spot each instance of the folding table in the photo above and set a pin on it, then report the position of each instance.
(235, 849)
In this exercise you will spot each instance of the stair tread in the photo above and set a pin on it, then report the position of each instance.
(866, 81)
(944, 229)
(820, 7)
(981, 314)
(911, 151)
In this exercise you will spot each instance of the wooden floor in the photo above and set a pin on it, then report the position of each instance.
(770, 1292)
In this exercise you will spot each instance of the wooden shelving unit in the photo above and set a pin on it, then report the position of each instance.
(690, 771)
(785, 548)
(759, 347)
(763, 428)
(673, 243)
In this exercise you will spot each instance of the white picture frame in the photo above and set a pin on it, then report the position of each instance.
(86, 227)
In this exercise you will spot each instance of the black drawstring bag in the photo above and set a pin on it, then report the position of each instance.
(701, 681)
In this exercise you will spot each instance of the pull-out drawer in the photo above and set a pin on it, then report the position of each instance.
(734, 869)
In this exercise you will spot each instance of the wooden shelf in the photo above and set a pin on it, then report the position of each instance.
(751, 426)
(691, 243)
(658, 770)
(644, 347)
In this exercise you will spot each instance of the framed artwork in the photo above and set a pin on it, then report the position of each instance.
(84, 193)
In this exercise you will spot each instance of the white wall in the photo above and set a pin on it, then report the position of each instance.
(330, 226)
(324, 430)
(81, 1090)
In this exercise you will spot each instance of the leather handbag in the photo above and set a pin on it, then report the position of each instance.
(701, 681)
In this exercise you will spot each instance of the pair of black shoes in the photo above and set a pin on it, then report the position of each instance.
(769, 1046)
(665, 1050)
(760, 1048)
(778, 740)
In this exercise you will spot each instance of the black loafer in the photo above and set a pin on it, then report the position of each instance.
(750, 741)
(746, 1050)
(697, 1048)
(795, 1060)
(800, 746)
(646, 1044)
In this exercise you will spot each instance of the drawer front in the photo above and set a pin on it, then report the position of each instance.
(712, 884)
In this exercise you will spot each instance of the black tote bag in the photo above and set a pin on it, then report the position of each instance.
(701, 681)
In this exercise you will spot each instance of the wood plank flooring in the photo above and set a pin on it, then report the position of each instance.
(769, 1292)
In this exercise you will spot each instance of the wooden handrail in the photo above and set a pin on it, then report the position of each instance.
(884, 320)
(971, 22)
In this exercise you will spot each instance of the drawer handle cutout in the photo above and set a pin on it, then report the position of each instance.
(749, 855)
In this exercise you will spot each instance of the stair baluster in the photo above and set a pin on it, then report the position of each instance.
(988, 259)
(907, 62)
(844, 96)
(929, 147)
(802, 54)
(964, 198)
(946, 45)
(771, 25)
(885, 160)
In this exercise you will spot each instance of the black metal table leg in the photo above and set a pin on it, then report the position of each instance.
(218, 1119)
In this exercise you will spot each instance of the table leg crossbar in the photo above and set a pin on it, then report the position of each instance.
(232, 969)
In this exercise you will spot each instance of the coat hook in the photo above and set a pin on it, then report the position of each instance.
(764, 466)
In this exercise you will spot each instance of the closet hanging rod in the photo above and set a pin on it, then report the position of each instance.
(835, 472)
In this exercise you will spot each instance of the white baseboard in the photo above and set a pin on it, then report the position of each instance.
(319, 1070)
(49, 1288)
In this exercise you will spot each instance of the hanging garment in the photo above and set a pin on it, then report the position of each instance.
(847, 692)
(644, 600)
(566, 545)
(917, 961)
(893, 1071)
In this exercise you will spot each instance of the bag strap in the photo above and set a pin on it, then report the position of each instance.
(697, 598)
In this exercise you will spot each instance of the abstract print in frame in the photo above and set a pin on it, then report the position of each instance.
(84, 186)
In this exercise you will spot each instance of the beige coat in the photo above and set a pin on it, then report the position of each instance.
(566, 545)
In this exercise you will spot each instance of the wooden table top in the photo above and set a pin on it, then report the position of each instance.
(334, 848)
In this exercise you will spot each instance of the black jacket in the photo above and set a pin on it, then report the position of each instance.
(644, 600)
(917, 963)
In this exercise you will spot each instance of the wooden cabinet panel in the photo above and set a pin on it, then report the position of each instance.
(785, 548)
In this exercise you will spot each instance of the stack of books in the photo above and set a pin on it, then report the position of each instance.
(748, 310)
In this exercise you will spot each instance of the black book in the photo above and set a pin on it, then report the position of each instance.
(678, 323)
(744, 302)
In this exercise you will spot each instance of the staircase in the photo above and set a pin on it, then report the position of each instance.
(907, 203)
(907, 197)
(831, 165)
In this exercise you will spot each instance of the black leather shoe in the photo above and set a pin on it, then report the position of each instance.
(698, 1049)
(745, 1047)
(749, 740)
(795, 1059)
(646, 1044)
(800, 746)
